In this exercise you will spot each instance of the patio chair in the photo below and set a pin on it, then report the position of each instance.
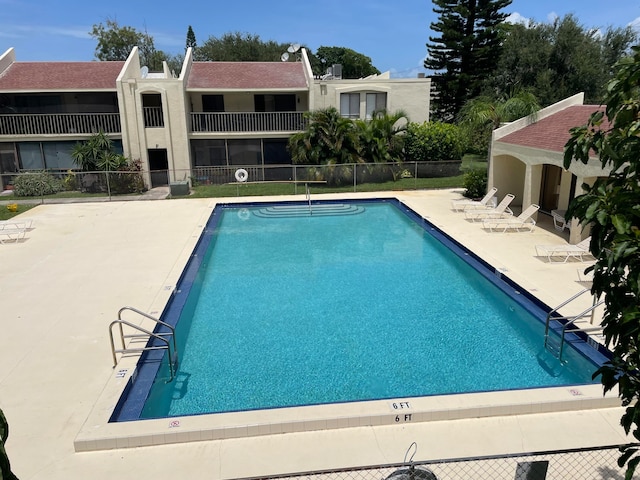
(499, 211)
(11, 234)
(463, 204)
(523, 220)
(16, 224)
(564, 252)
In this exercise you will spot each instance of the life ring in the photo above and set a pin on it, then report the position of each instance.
(244, 214)
(241, 175)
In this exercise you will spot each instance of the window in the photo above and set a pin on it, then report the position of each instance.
(375, 102)
(275, 103)
(213, 103)
(152, 108)
(350, 105)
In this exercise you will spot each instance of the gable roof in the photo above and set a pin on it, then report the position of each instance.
(56, 76)
(247, 75)
(552, 133)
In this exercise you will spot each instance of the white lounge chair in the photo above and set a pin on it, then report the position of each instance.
(463, 204)
(501, 210)
(26, 224)
(565, 252)
(523, 220)
(11, 234)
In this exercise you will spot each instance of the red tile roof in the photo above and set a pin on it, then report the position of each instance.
(42, 76)
(552, 133)
(247, 75)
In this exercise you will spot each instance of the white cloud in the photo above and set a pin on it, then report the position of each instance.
(515, 17)
(552, 17)
(635, 24)
(18, 31)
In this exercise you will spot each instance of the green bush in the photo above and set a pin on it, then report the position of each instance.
(433, 141)
(475, 183)
(36, 184)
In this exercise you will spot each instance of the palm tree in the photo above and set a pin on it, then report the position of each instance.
(480, 115)
(329, 139)
(382, 137)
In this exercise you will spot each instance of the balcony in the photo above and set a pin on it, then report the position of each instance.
(248, 122)
(59, 123)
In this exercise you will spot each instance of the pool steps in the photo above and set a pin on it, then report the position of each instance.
(281, 211)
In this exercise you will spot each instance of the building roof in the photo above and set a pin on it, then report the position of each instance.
(55, 76)
(247, 75)
(552, 133)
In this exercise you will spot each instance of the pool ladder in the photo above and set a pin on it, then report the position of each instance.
(152, 340)
(569, 326)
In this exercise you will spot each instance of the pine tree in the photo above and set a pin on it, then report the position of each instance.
(465, 51)
(191, 39)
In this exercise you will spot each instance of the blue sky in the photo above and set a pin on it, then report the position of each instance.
(393, 34)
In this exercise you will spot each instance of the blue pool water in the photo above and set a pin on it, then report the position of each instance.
(289, 309)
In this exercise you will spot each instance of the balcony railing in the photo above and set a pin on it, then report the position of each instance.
(248, 122)
(59, 123)
(153, 117)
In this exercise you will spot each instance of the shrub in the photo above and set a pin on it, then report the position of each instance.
(433, 141)
(475, 183)
(36, 184)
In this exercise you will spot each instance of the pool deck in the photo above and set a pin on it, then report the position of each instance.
(63, 285)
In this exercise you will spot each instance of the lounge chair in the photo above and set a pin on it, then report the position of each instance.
(501, 210)
(463, 204)
(11, 234)
(523, 220)
(16, 224)
(565, 252)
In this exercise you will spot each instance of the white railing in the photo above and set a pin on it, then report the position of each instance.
(153, 117)
(248, 122)
(59, 123)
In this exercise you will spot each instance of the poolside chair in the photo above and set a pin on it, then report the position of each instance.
(501, 210)
(463, 204)
(564, 252)
(523, 220)
(11, 234)
(16, 224)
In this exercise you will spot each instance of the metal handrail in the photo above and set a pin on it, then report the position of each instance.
(158, 336)
(570, 320)
(553, 310)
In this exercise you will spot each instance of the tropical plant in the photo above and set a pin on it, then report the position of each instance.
(610, 209)
(5, 467)
(382, 137)
(36, 184)
(479, 116)
(329, 139)
(93, 152)
(475, 183)
(433, 141)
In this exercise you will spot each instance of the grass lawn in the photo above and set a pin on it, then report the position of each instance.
(258, 189)
(5, 214)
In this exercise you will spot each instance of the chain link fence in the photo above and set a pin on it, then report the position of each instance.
(292, 179)
(579, 464)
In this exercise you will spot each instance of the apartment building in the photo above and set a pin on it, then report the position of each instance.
(180, 125)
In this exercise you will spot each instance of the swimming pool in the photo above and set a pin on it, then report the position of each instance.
(357, 313)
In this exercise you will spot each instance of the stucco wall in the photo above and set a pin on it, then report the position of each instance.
(509, 177)
(411, 95)
(136, 138)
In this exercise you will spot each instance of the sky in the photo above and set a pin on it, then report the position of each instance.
(392, 33)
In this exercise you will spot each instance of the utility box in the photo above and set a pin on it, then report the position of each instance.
(179, 189)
